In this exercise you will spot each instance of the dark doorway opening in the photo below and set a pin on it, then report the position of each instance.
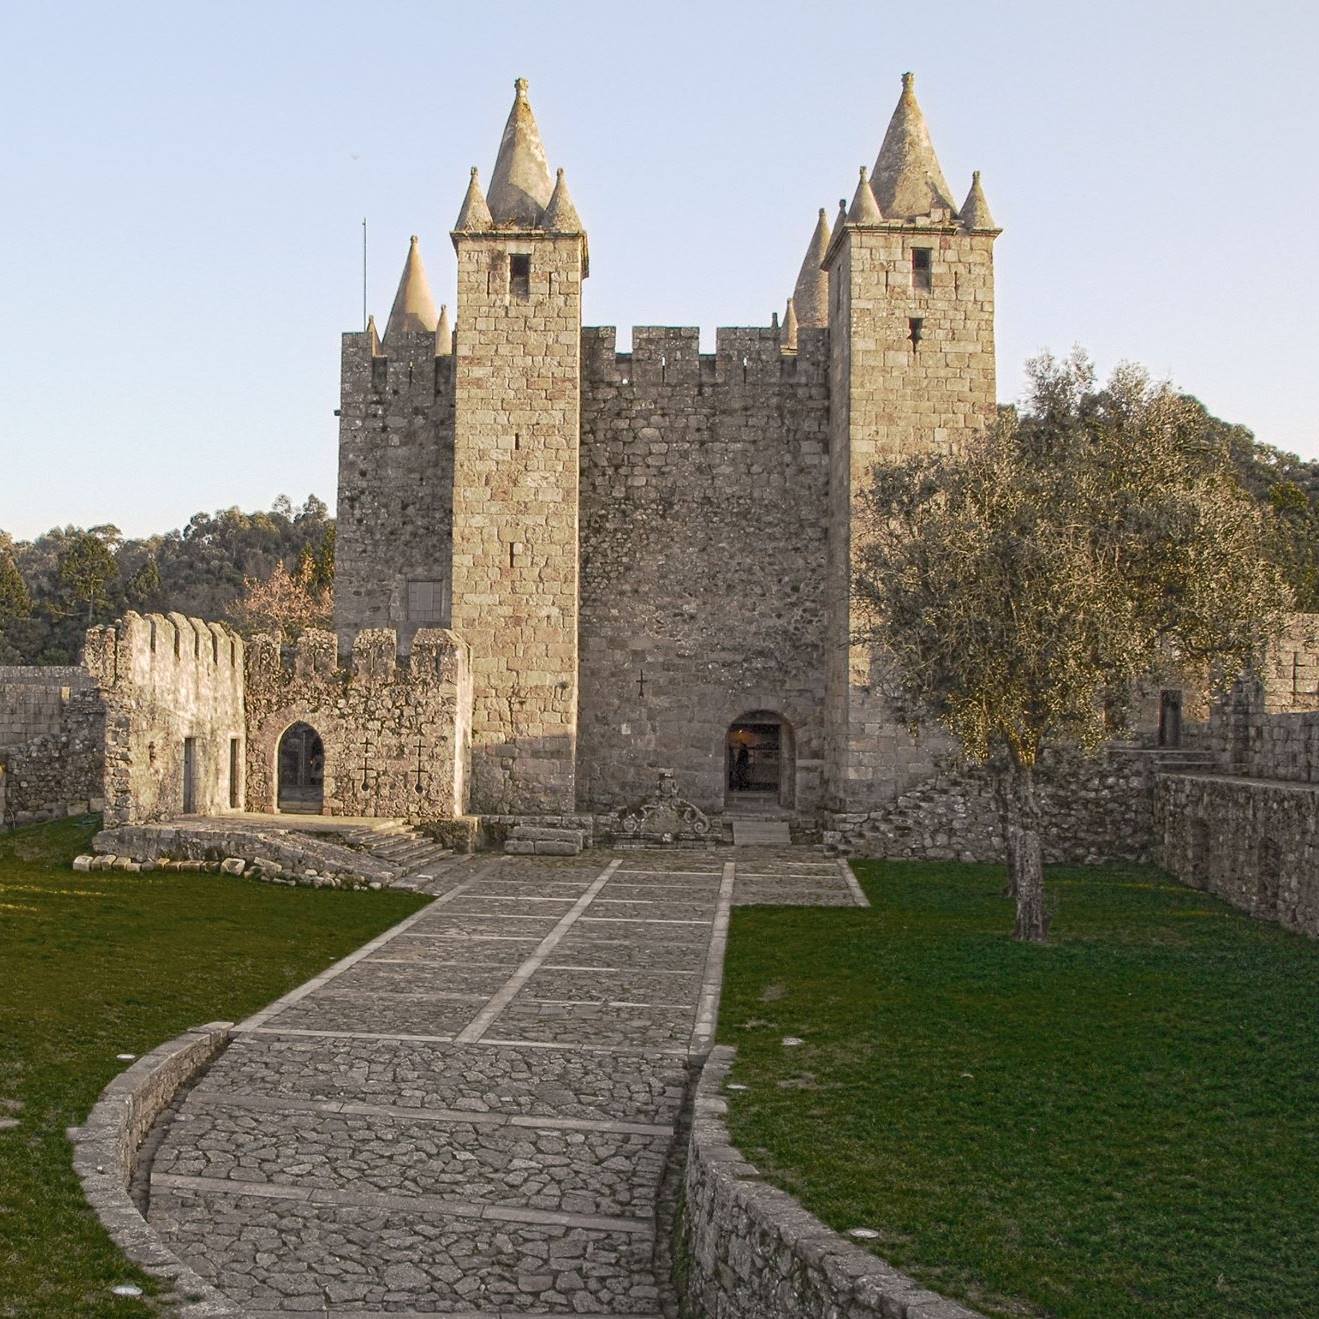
(758, 768)
(301, 771)
(1170, 719)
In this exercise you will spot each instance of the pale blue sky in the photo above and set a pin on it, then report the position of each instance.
(184, 185)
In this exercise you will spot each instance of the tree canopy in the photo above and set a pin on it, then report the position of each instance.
(1015, 592)
(199, 570)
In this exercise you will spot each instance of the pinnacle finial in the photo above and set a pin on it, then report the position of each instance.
(810, 296)
(413, 311)
(788, 338)
(373, 336)
(975, 214)
(520, 186)
(864, 210)
(561, 215)
(475, 213)
(444, 333)
(908, 180)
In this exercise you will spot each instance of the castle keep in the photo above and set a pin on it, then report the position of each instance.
(648, 553)
(583, 593)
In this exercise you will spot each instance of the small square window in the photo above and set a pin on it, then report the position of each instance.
(426, 602)
(921, 272)
(519, 275)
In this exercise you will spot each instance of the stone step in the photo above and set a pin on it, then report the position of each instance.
(542, 834)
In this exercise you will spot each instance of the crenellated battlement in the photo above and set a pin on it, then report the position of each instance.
(670, 356)
(142, 648)
(375, 659)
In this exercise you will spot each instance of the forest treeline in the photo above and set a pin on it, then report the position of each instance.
(52, 588)
(276, 568)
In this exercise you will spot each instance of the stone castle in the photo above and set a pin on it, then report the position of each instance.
(649, 553)
(564, 573)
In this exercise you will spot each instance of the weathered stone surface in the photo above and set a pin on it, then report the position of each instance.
(1251, 841)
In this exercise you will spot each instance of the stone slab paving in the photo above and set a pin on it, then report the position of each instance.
(471, 1115)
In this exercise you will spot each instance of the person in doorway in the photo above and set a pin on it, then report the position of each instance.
(742, 768)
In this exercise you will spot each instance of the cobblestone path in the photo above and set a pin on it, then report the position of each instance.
(472, 1114)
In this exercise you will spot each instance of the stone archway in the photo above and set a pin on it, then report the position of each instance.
(759, 763)
(300, 768)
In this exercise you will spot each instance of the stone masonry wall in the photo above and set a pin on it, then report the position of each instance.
(892, 397)
(515, 497)
(1094, 809)
(1268, 728)
(173, 689)
(703, 508)
(395, 507)
(396, 734)
(52, 731)
(1254, 843)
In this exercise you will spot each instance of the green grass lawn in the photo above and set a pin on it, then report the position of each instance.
(99, 964)
(1125, 1122)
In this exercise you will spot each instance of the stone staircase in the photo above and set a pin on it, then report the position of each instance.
(410, 854)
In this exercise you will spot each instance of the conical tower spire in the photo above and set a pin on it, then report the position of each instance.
(413, 311)
(444, 334)
(788, 337)
(811, 295)
(864, 209)
(475, 213)
(561, 215)
(975, 213)
(520, 187)
(908, 181)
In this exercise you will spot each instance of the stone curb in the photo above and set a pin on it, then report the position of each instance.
(105, 1156)
(753, 1251)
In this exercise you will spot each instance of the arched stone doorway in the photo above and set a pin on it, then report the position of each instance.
(301, 764)
(759, 763)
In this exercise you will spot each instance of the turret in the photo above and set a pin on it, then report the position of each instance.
(911, 344)
(522, 256)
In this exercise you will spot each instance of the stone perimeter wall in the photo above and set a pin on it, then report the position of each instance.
(397, 734)
(704, 490)
(747, 1250)
(1252, 842)
(52, 737)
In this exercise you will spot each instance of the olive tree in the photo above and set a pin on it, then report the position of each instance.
(1016, 592)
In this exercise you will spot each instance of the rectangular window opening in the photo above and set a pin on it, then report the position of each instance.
(519, 275)
(427, 601)
(921, 269)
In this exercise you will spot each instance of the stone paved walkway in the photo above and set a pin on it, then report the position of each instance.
(472, 1114)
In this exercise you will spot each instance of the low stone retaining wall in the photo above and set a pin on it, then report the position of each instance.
(1095, 808)
(105, 1156)
(1253, 842)
(749, 1251)
(274, 855)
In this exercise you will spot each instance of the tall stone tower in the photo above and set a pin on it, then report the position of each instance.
(522, 256)
(911, 321)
